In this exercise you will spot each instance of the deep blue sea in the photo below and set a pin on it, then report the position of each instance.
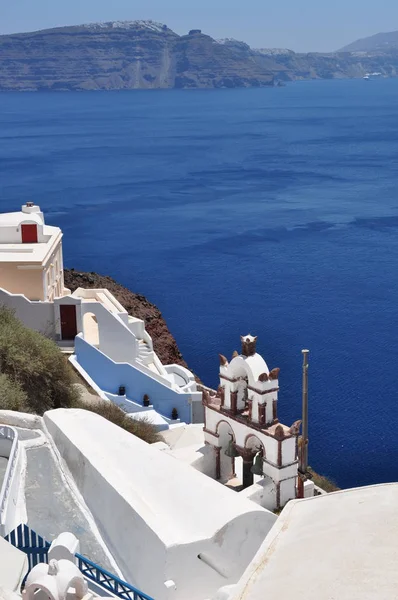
(269, 211)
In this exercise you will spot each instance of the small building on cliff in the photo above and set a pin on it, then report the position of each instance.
(243, 445)
(110, 348)
(241, 420)
(31, 255)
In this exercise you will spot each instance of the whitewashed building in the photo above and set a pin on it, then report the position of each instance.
(173, 532)
(241, 420)
(111, 349)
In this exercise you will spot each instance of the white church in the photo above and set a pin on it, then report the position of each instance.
(241, 421)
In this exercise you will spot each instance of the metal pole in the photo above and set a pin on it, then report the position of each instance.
(304, 453)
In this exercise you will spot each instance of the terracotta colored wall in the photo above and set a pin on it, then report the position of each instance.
(56, 280)
(20, 281)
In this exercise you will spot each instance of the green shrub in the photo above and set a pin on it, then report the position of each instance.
(34, 366)
(141, 428)
(12, 396)
(35, 377)
(328, 485)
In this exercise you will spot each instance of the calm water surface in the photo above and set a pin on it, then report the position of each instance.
(273, 211)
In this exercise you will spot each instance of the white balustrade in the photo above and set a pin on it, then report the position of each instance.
(9, 488)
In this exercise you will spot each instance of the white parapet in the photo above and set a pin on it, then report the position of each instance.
(12, 509)
(161, 519)
(65, 546)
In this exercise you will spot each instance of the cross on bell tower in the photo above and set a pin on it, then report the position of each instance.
(248, 345)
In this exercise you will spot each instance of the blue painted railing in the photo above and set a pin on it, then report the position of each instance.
(108, 581)
(28, 541)
(36, 548)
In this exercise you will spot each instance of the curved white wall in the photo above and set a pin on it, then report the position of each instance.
(160, 518)
(10, 448)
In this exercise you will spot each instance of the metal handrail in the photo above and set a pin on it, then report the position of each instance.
(36, 548)
(108, 581)
(10, 434)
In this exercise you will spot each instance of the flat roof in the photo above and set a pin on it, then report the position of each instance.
(180, 504)
(340, 546)
(13, 566)
(30, 253)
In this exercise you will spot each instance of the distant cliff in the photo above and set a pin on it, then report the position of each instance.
(122, 55)
(136, 305)
(286, 65)
(144, 54)
(293, 66)
(381, 42)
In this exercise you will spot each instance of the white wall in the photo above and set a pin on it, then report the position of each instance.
(54, 284)
(116, 340)
(262, 493)
(289, 451)
(287, 490)
(5, 447)
(10, 507)
(137, 379)
(155, 513)
(36, 315)
(284, 474)
(241, 431)
(13, 234)
(202, 459)
(137, 326)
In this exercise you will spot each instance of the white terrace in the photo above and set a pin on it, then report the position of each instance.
(111, 349)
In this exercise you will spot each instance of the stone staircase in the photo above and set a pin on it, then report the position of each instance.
(145, 354)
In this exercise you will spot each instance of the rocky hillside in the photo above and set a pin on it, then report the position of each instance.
(122, 55)
(293, 66)
(137, 306)
(286, 65)
(144, 54)
(381, 42)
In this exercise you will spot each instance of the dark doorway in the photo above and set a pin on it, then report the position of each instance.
(68, 321)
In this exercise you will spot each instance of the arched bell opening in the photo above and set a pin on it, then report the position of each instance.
(253, 466)
(242, 394)
(227, 452)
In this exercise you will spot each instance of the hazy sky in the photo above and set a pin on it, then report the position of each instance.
(301, 25)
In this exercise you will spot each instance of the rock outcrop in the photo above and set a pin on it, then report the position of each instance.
(136, 305)
(286, 65)
(122, 55)
(381, 42)
(144, 54)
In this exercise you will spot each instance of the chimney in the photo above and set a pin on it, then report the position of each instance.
(30, 208)
(248, 345)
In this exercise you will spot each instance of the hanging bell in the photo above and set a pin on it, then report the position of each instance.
(231, 451)
(257, 468)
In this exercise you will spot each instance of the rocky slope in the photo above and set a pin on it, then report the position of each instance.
(381, 42)
(137, 306)
(340, 65)
(286, 65)
(144, 54)
(126, 55)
